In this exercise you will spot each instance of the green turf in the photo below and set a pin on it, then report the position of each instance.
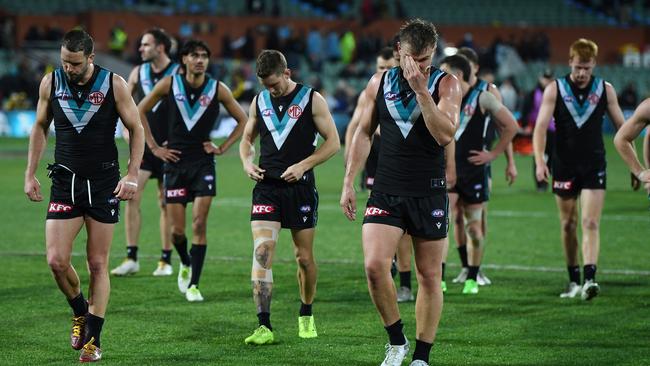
(519, 320)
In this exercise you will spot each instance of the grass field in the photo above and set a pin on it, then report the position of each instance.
(519, 320)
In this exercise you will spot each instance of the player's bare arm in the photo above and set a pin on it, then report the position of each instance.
(450, 164)
(160, 91)
(511, 167)
(616, 116)
(38, 139)
(626, 135)
(360, 148)
(327, 129)
(237, 112)
(506, 125)
(352, 125)
(128, 112)
(539, 133)
(442, 119)
(246, 145)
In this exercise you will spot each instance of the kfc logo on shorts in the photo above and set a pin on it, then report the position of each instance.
(96, 98)
(180, 97)
(593, 98)
(391, 96)
(305, 209)
(263, 209)
(172, 193)
(294, 111)
(267, 112)
(375, 211)
(438, 213)
(204, 100)
(565, 186)
(59, 207)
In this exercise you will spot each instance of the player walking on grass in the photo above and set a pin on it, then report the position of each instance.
(85, 102)
(578, 102)
(472, 159)
(417, 107)
(154, 50)
(190, 173)
(287, 116)
(626, 135)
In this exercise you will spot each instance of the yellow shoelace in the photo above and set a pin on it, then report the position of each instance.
(77, 323)
(90, 347)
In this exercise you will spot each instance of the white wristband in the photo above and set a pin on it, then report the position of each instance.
(132, 184)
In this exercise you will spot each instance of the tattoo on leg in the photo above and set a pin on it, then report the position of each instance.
(262, 296)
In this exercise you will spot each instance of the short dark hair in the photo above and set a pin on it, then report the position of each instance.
(460, 63)
(160, 37)
(78, 40)
(470, 54)
(270, 62)
(419, 34)
(386, 53)
(192, 45)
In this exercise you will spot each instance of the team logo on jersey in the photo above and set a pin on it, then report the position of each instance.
(391, 96)
(593, 98)
(180, 97)
(375, 211)
(569, 98)
(96, 98)
(305, 208)
(204, 100)
(469, 109)
(146, 83)
(267, 112)
(262, 209)
(564, 186)
(173, 193)
(438, 213)
(294, 111)
(59, 207)
(62, 95)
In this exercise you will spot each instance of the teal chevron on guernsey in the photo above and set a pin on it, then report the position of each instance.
(280, 129)
(79, 116)
(581, 112)
(192, 114)
(404, 111)
(467, 112)
(145, 78)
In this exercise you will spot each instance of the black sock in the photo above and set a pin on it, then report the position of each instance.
(422, 350)
(132, 253)
(395, 334)
(462, 252)
(574, 274)
(305, 309)
(443, 271)
(79, 305)
(405, 279)
(166, 256)
(589, 271)
(180, 243)
(197, 254)
(93, 329)
(473, 272)
(265, 319)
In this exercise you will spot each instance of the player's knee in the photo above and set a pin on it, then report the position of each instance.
(58, 264)
(199, 225)
(590, 224)
(264, 240)
(429, 278)
(569, 225)
(97, 264)
(178, 232)
(376, 270)
(305, 260)
(475, 233)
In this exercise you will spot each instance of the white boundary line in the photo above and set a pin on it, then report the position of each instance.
(500, 267)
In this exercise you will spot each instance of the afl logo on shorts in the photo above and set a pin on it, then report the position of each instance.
(113, 201)
(294, 111)
(180, 97)
(391, 96)
(438, 213)
(96, 98)
(593, 98)
(204, 100)
(267, 112)
(305, 209)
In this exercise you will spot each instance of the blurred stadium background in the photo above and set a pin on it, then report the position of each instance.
(329, 44)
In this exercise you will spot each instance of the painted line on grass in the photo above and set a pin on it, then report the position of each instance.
(499, 267)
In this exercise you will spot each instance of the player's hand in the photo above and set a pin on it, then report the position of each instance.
(165, 154)
(635, 183)
(481, 157)
(126, 188)
(254, 172)
(542, 173)
(349, 202)
(451, 178)
(211, 148)
(511, 174)
(644, 177)
(293, 173)
(33, 189)
(416, 79)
